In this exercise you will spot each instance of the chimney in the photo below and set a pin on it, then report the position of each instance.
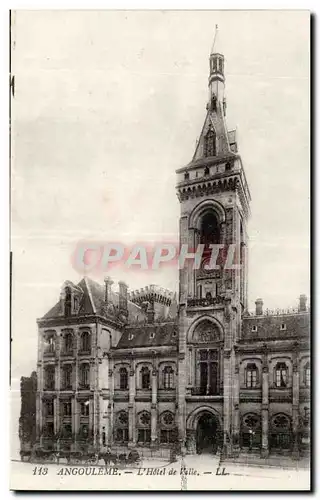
(107, 290)
(259, 307)
(302, 303)
(123, 296)
(150, 312)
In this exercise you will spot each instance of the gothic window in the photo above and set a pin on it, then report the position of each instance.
(66, 407)
(68, 302)
(206, 171)
(123, 378)
(144, 427)
(208, 371)
(66, 430)
(84, 431)
(168, 375)
(228, 166)
(280, 437)
(68, 342)
(67, 376)
(210, 143)
(49, 376)
(84, 408)
(167, 428)
(251, 375)
(186, 176)
(122, 427)
(49, 408)
(251, 431)
(84, 376)
(306, 374)
(281, 375)
(145, 378)
(209, 232)
(85, 342)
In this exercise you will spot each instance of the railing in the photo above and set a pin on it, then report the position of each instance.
(205, 302)
(204, 391)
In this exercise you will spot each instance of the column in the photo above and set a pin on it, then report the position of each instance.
(110, 405)
(73, 413)
(265, 406)
(227, 403)
(236, 409)
(295, 402)
(154, 412)
(132, 413)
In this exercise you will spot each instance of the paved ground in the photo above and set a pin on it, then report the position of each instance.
(193, 473)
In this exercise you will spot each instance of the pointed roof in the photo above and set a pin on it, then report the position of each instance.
(216, 49)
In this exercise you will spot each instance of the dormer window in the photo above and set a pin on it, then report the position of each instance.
(283, 327)
(186, 176)
(228, 166)
(130, 337)
(254, 328)
(207, 171)
(152, 335)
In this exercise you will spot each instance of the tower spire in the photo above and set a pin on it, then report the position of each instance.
(215, 45)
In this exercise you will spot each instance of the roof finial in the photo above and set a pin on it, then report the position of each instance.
(214, 49)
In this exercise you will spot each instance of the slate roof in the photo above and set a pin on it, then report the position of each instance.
(268, 327)
(92, 302)
(149, 335)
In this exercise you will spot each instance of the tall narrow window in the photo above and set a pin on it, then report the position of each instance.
(307, 375)
(85, 342)
(208, 363)
(123, 374)
(210, 143)
(251, 375)
(68, 302)
(67, 377)
(68, 342)
(209, 232)
(84, 375)
(145, 378)
(49, 376)
(85, 408)
(281, 375)
(168, 374)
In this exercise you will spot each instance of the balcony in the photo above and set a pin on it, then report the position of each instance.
(204, 393)
(205, 302)
(278, 395)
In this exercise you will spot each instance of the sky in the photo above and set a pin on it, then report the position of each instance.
(109, 104)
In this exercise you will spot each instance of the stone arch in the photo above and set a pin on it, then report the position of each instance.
(195, 415)
(198, 321)
(207, 205)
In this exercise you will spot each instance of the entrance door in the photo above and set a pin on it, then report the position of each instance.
(207, 435)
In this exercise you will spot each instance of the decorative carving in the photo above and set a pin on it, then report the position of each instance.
(205, 332)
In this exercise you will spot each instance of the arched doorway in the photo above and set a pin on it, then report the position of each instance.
(207, 434)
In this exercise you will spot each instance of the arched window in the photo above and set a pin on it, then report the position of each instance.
(280, 437)
(281, 375)
(306, 374)
(67, 376)
(167, 428)
(85, 408)
(68, 342)
(84, 376)
(251, 431)
(49, 343)
(251, 375)
(85, 344)
(168, 379)
(123, 378)
(144, 427)
(122, 427)
(49, 378)
(145, 378)
(210, 143)
(209, 232)
(68, 302)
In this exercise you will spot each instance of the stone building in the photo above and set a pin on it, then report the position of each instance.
(149, 370)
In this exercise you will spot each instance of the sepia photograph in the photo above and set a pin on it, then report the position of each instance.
(160, 250)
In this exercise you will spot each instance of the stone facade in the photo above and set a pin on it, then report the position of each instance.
(198, 373)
